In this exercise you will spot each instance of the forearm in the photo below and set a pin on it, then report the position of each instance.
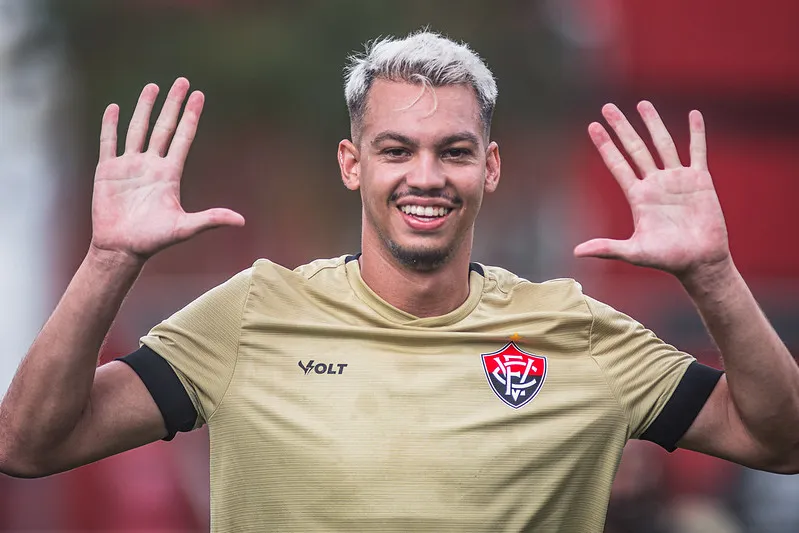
(51, 388)
(763, 377)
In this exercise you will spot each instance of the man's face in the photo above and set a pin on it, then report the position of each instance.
(422, 165)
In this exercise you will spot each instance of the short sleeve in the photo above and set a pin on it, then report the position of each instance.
(200, 342)
(641, 370)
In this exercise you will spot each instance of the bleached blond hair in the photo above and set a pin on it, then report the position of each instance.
(425, 58)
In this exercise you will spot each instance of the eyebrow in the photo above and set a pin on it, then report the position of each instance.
(394, 136)
(459, 137)
(446, 141)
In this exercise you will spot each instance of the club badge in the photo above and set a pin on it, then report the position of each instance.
(514, 375)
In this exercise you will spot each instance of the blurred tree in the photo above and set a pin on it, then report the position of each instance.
(282, 61)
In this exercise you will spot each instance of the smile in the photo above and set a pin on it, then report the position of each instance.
(425, 211)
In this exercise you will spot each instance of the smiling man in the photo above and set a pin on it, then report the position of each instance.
(404, 388)
(421, 158)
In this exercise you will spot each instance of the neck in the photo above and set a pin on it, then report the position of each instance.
(421, 294)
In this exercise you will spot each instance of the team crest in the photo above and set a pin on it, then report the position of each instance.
(516, 376)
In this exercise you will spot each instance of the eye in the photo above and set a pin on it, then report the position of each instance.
(456, 153)
(396, 153)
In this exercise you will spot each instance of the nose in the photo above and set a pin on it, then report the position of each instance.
(428, 173)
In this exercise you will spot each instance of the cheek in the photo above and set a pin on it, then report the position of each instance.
(378, 184)
(473, 186)
(373, 198)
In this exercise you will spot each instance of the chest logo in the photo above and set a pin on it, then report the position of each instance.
(322, 368)
(515, 376)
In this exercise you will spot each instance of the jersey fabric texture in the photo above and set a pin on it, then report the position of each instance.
(331, 410)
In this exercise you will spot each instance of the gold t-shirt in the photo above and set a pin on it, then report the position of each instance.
(331, 410)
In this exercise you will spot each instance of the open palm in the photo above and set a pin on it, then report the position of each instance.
(679, 225)
(136, 206)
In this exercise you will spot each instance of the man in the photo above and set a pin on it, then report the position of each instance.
(404, 388)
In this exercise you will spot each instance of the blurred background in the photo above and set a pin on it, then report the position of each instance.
(272, 75)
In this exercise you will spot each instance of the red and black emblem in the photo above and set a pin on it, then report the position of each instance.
(516, 376)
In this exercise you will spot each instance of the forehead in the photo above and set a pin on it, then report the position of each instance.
(420, 112)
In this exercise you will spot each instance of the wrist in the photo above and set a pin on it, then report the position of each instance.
(114, 260)
(709, 279)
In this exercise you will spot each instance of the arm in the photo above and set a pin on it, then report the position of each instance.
(752, 416)
(60, 411)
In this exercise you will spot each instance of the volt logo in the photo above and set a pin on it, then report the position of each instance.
(322, 368)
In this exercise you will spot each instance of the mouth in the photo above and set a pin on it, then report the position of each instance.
(424, 217)
(424, 212)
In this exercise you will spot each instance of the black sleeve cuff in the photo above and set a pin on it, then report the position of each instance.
(684, 405)
(165, 388)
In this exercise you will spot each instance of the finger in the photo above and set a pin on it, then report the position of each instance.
(698, 140)
(635, 147)
(108, 133)
(660, 135)
(606, 249)
(187, 128)
(165, 125)
(614, 160)
(140, 121)
(194, 223)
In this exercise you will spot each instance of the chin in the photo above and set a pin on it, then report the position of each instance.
(420, 259)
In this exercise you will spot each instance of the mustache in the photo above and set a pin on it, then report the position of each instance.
(422, 193)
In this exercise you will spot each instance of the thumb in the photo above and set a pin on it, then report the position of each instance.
(605, 249)
(194, 223)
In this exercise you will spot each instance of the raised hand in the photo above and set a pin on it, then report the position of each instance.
(136, 207)
(679, 226)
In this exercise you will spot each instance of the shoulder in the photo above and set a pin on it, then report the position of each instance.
(266, 269)
(321, 267)
(561, 293)
(308, 293)
(318, 276)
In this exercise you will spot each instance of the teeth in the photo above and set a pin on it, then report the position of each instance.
(422, 211)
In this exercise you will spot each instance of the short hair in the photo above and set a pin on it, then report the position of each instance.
(422, 57)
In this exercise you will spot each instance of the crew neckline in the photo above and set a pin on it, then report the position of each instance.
(398, 316)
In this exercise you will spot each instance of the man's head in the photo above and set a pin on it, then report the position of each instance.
(420, 155)
(423, 58)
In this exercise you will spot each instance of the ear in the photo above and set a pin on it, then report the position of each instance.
(349, 161)
(493, 165)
